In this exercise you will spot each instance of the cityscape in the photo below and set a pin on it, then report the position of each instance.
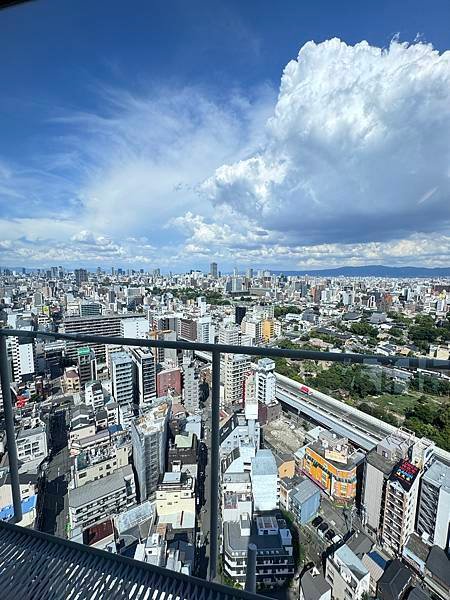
(224, 300)
(339, 474)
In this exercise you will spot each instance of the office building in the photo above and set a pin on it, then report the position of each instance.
(87, 366)
(205, 330)
(149, 441)
(144, 375)
(433, 515)
(81, 276)
(213, 270)
(402, 491)
(333, 464)
(89, 309)
(188, 329)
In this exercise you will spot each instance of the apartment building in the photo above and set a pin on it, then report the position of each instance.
(273, 540)
(32, 443)
(400, 503)
(98, 500)
(235, 368)
(175, 494)
(433, 515)
(378, 467)
(144, 375)
(98, 463)
(149, 441)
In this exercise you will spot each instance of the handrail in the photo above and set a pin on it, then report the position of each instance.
(216, 350)
(407, 362)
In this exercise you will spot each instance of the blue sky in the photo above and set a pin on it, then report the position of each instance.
(284, 135)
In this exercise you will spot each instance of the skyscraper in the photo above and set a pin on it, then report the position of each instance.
(213, 270)
(144, 375)
(80, 276)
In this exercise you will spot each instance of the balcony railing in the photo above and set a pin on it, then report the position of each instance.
(216, 350)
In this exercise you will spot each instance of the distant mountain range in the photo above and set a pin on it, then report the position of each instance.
(373, 271)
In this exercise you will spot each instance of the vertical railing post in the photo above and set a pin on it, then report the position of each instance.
(250, 576)
(10, 430)
(215, 466)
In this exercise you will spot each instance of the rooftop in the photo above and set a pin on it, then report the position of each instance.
(100, 488)
(350, 560)
(438, 475)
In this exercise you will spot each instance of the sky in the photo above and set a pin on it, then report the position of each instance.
(253, 133)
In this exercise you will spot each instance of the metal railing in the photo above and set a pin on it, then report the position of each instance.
(216, 350)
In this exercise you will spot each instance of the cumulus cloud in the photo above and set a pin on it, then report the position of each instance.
(357, 147)
(349, 165)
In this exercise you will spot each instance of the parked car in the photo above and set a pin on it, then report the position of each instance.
(322, 528)
(317, 521)
(330, 534)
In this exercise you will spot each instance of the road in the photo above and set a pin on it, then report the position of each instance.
(203, 549)
(55, 509)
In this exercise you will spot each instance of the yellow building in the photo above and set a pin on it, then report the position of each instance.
(333, 464)
(176, 494)
(267, 330)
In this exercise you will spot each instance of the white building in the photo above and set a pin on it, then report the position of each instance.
(94, 395)
(266, 381)
(134, 328)
(250, 398)
(433, 520)
(205, 330)
(265, 486)
(149, 440)
(122, 376)
(348, 577)
(32, 444)
(191, 389)
(235, 367)
(103, 498)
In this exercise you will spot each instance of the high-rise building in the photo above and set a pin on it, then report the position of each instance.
(264, 474)
(239, 314)
(191, 390)
(122, 376)
(433, 519)
(380, 462)
(89, 309)
(80, 276)
(87, 366)
(266, 381)
(108, 325)
(137, 327)
(235, 367)
(144, 376)
(402, 491)
(213, 270)
(205, 330)
(149, 440)
(250, 398)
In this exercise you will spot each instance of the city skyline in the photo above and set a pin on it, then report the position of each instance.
(253, 147)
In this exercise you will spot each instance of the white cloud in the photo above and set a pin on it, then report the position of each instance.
(357, 147)
(350, 165)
